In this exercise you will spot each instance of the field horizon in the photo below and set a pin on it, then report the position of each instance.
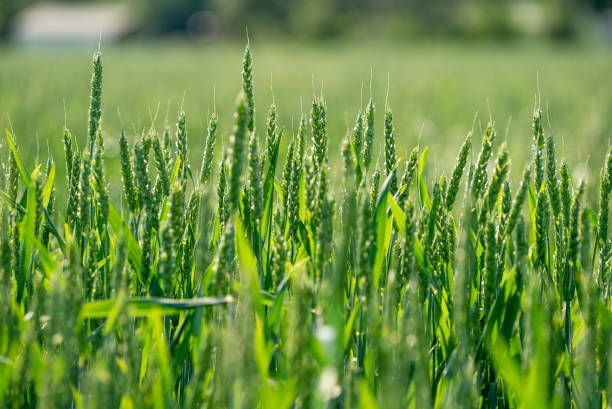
(438, 90)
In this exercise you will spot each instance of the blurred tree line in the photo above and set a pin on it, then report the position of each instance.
(334, 18)
(470, 18)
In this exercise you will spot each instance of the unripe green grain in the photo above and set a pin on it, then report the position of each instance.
(608, 169)
(143, 184)
(505, 206)
(409, 173)
(129, 190)
(95, 101)
(236, 152)
(604, 196)
(443, 190)
(72, 185)
(422, 222)
(453, 187)
(147, 141)
(321, 197)
(286, 174)
(432, 218)
(574, 227)
(271, 132)
(91, 267)
(102, 199)
(301, 141)
(176, 214)
(585, 238)
(560, 250)
(146, 258)
(158, 197)
(166, 145)
(318, 122)
(247, 87)
(501, 171)
(161, 166)
(519, 199)
(73, 195)
(310, 177)
(538, 142)
(602, 221)
(207, 157)
(293, 206)
(222, 198)
(450, 238)
(489, 280)
(374, 190)
(141, 173)
(552, 179)
(357, 136)
(325, 233)
(369, 136)
(14, 225)
(479, 177)
(390, 158)
(542, 219)
(68, 153)
(365, 242)
(254, 182)
(85, 196)
(181, 144)
(566, 195)
(13, 178)
(347, 156)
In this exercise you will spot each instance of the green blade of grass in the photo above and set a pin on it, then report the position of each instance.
(143, 307)
(20, 166)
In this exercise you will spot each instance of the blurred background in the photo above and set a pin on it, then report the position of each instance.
(323, 19)
(445, 66)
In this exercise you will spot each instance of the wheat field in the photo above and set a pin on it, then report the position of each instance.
(300, 264)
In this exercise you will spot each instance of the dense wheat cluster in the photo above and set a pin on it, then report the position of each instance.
(256, 282)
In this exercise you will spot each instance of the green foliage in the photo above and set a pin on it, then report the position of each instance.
(296, 292)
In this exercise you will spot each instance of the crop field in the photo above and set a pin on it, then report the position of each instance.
(194, 233)
(436, 90)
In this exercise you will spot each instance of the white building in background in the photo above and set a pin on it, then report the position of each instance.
(72, 23)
